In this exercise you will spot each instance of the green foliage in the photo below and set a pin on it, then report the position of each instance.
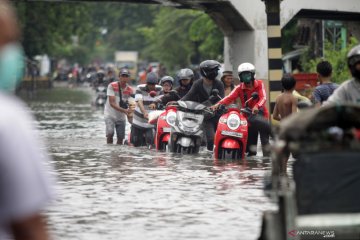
(174, 37)
(337, 58)
(49, 27)
(182, 37)
(211, 40)
(289, 33)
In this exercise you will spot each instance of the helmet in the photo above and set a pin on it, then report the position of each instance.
(353, 59)
(100, 74)
(152, 78)
(209, 69)
(124, 71)
(185, 73)
(246, 72)
(166, 79)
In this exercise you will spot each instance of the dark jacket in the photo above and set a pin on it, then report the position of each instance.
(198, 94)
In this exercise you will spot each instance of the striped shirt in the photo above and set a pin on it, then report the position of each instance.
(323, 92)
(142, 93)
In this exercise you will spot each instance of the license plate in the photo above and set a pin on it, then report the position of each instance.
(232, 134)
(167, 130)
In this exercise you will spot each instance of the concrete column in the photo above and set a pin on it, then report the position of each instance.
(247, 46)
(274, 49)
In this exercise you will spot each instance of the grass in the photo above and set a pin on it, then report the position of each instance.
(57, 94)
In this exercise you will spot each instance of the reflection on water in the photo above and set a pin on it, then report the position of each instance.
(119, 192)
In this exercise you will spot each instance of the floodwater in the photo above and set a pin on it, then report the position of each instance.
(121, 192)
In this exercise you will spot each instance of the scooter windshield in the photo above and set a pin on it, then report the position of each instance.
(190, 120)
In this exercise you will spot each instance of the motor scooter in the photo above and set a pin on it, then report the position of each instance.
(163, 127)
(232, 131)
(100, 95)
(187, 133)
(163, 119)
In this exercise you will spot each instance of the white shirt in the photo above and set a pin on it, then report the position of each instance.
(25, 184)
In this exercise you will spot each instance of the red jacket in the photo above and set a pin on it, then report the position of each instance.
(244, 93)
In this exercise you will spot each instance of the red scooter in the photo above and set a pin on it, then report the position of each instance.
(164, 122)
(163, 127)
(232, 132)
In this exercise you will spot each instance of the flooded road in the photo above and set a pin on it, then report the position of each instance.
(120, 192)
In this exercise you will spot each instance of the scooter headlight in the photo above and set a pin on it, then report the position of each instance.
(233, 121)
(171, 118)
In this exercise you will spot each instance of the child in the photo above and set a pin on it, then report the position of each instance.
(285, 103)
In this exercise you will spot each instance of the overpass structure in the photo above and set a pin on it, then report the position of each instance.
(252, 28)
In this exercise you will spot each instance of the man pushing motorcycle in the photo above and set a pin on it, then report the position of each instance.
(259, 118)
(201, 91)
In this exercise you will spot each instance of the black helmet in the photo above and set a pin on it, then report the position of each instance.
(185, 73)
(100, 74)
(209, 69)
(166, 79)
(353, 59)
(152, 78)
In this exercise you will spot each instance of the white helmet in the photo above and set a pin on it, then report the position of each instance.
(246, 72)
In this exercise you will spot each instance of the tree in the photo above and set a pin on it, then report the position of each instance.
(182, 37)
(49, 27)
(337, 58)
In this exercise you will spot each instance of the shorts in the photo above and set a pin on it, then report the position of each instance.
(118, 125)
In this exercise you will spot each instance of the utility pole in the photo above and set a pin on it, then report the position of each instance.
(274, 49)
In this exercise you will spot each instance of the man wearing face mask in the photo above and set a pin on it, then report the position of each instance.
(25, 186)
(258, 119)
(201, 92)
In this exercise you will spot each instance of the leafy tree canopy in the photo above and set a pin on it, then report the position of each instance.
(337, 58)
(83, 32)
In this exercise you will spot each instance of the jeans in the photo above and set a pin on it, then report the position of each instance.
(118, 125)
(258, 124)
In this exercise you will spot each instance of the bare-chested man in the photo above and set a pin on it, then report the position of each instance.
(286, 102)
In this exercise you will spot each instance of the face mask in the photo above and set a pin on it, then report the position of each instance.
(246, 77)
(212, 74)
(11, 67)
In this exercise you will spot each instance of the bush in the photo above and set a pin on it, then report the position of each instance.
(337, 58)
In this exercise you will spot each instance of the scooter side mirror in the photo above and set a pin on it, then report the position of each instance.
(254, 95)
(215, 92)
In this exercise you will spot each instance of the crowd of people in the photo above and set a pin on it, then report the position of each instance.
(199, 90)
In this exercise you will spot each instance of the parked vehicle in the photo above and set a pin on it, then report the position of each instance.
(321, 197)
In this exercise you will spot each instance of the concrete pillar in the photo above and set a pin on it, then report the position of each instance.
(247, 46)
(274, 49)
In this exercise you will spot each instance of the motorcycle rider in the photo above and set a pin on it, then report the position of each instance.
(349, 91)
(201, 92)
(100, 78)
(140, 126)
(116, 107)
(166, 83)
(186, 79)
(259, 120)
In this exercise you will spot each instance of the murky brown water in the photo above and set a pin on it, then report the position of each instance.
(120, 192)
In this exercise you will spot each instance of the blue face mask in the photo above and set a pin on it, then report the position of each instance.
(11, 66)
